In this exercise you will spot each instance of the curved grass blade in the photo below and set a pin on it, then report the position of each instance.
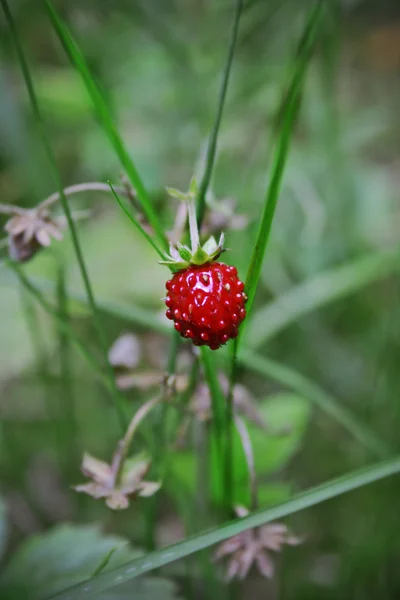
(212, 145)
(321, 493)
(325, 287)
(310, 390)
(105, 119)
(71, 225)
(289, 112)
(136, 223)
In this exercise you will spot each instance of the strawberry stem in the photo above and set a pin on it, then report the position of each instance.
(193, 228)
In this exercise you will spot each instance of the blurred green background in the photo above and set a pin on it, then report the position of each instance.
(159, 63)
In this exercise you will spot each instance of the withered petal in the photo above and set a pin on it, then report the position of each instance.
(148, 488)
(92, 489)
(96, 469)
(117, 500)
(228, 547)
(247, 558)
(265, 565)
(43, 237)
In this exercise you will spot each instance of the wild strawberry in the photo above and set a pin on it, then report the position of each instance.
(205, 297)
(206, 303)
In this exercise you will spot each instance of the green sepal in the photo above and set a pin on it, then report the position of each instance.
(211, 246)
(174, 193)
(184, 252)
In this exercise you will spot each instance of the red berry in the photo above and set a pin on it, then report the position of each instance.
(206, 303)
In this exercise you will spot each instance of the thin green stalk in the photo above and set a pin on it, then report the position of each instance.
(160, 442)
(105, 119)
(41, 357)
(212, 145)
(117, 399)
(229, 458)
(217, 397)
(290, 107)
(64, 326)
(71, 428)
(311, 497)
(136, 223)
(311, 391)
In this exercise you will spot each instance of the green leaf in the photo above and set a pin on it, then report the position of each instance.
(287, 415)
(3, 527)
(326, 287)
(313, 392)
(104, 116)
(321, 493)
(68, 554)
(288, 114)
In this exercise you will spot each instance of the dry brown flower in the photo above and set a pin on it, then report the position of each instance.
(31, 230)
(130, 482)
(250, 548)
(243, 402)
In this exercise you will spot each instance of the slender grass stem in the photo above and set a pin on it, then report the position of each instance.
(160, 441)
(57, 178)
(71, 428)
(106, 121)
(289, 108)
(64, 326)
(311, 497)
(310, 390)
(136, 223)
(78, 188)
(41, 358)
(212, 145)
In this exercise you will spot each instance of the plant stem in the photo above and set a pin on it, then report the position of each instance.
(71, 449)
(229, 430)
(90, 186)
(57, 178)
(248, 452)
(64, 326)
(212, 146)
(41, 359)
(123, 446)
(138, 226)
(193, 227)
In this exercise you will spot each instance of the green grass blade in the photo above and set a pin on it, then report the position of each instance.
(326, 287)
(302, 501)
(290, 106)
(57, 178)
(313, 392)
(63, 325)
(103, 114)
(136, 223)
(212, 145)
(217, 397)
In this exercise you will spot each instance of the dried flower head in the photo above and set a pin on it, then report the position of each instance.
(117, 488)
(250, 548)
(243, 402)
(31, 229)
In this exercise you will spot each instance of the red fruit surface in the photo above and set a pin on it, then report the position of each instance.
(206, 303)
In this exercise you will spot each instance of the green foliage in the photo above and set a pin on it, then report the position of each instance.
(286, 417)
(69, 554)
(311, 497)
(3, 527)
